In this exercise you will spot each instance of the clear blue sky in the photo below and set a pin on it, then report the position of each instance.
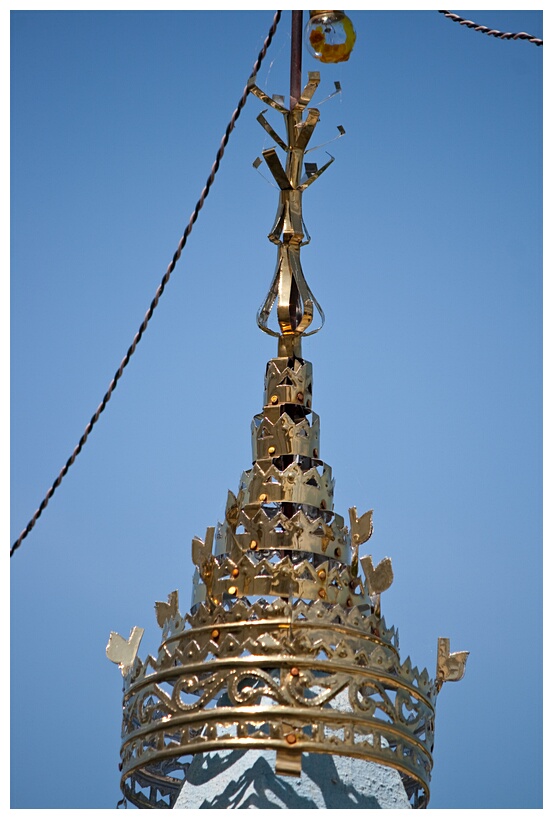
(426, 255)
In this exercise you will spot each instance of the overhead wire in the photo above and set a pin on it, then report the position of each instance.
(176, 256)
(492, 32)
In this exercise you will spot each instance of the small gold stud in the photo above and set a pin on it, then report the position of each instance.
(300, 396)
(322, 593)
(263, 498)
(295, 672)
(232, 589)
(235, 572)
(253, 544)
(291, 739)
(272, 450)
(274, 399)
(215, 634)
(322, 574)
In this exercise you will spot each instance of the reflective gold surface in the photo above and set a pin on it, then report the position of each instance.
(284, 646)
(296, 304)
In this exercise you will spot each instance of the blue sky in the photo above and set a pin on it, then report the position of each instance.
(426, 256)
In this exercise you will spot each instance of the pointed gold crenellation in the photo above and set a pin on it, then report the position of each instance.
(284, 646)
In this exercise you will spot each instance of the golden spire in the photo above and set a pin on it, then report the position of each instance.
(284, 646)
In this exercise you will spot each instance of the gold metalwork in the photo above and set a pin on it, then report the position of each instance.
(378, 579)
(296, 304)
(284, 646)
(284, 642)
(450, 667)
(123, 652)
(288, 763)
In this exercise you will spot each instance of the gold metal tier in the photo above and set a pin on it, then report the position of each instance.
(284, 647)
(294, 677)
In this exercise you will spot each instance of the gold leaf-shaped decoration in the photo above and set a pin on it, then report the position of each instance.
(361, 528)
(201, 550)
(450, 666)
(379, 578)
(123, 652)
(232, 510)
(165, 611)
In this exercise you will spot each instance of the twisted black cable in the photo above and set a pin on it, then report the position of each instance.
(161, 288)
(503, 35)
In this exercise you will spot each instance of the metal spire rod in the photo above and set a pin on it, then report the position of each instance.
(295, 58)
(295, 93)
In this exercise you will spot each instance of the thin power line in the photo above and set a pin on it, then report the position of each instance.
(492, 32)
(159, 292)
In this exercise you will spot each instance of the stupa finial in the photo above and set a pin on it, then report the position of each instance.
(284, 647)
(296, 304)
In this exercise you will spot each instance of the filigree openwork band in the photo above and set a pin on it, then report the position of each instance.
(301, 677)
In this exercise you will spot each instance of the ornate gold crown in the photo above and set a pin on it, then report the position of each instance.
(284, 647)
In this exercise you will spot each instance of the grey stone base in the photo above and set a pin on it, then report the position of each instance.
(229, 780)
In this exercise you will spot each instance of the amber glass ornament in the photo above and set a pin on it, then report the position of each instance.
(329, 36)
